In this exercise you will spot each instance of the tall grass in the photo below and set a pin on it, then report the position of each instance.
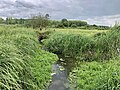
(108, 45)
(23, 65)
(85, 47)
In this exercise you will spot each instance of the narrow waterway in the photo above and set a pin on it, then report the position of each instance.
(60, 73)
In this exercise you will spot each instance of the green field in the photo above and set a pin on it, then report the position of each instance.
(77, 31)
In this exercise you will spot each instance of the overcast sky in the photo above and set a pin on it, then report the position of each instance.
(101, 12)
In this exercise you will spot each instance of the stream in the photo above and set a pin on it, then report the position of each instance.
(60, 73)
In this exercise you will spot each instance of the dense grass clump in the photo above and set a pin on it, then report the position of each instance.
(108, 46)
(23, 65)
(84, 47)
(97, 75)
(67, 44)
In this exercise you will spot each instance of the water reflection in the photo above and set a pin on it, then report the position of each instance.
(59, 78)
(60, 73)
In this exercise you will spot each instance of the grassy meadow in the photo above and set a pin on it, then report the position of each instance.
(77, 31)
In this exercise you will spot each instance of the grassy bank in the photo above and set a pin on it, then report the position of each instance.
(23, 65)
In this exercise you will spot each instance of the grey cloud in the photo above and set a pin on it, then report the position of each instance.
(19, 3)
(58, 9)
(101, 7)
(104, 20)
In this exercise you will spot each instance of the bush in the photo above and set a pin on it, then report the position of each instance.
(73, 25)
(60, 25)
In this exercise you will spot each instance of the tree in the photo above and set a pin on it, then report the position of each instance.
(10, 20)
(73, 25)
(47, 16)
(40, 21)
(1, 20)
(21, 21)
(64, 22)
(60, 25)
(77, 22)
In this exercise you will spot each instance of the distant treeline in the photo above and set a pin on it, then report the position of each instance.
(43, 22)
(11, 20)
(64, 23)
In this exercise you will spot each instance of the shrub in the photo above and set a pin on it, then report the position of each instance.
(60, 25)
(73, 25)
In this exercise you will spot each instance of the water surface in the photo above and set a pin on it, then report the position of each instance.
(60, 73)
